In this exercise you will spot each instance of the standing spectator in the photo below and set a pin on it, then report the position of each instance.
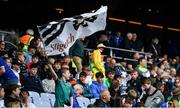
(116, 41)
(63, 89)
(137, 45)
(104, 99)
(25, 40)
(128, 44)
(155, 48)
(97, 64)
(77, 53)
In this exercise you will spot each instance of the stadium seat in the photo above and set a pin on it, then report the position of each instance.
(93, 100)
(83, 102)
(42, 103)
(33, 96)
(48, 97)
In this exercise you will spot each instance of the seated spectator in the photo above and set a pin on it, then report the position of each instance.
(128, 103)
(150, 96)
(28, 55)
(7, 74)
(25, 100)
(89, 74)
(110, 77)
(175, 102)
(177, 82)
(114, 90)
(32, 81)
(104, 99)
(16, 70)
(97, 85)
(12, 98)
(86, 88)
(134, 82)
(35, 60)
(141, 68)
(57, 68)
(48, 83)
(2, 93)
(78, 91)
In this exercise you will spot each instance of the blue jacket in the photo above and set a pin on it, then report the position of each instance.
(96, 88)
(8, 77)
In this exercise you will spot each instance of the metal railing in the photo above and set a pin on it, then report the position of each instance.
(2, 32)
(124, 50)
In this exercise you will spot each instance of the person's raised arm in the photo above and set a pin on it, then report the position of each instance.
(54, 75)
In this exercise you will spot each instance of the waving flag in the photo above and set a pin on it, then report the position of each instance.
(59, 36)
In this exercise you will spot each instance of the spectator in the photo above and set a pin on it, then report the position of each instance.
(63, 89)
(36, 41)
(25, 99)
(97, 64)
(48, 83)
(7, 74)
(110, 77)
(89, 74)
(57, 68)
(28, 55)
(175, 102)
(12, 98)
(32, 81)
(86, 88)
(137, 45)
(114, 90)
(150, 96)
(26, 39)
(78, 91)
(2, 93)
(97, 85)
(16, 70)
(2, 46)
(141, 68)
(23, 66)
(155, 48)
(117, 41)
(104, 99)
(134, 83)
(77, 53)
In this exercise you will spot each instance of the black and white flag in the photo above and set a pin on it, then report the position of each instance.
(59, 36)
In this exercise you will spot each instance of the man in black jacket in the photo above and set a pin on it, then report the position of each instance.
(104, 99)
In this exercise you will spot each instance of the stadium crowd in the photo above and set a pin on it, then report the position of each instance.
(81, 79)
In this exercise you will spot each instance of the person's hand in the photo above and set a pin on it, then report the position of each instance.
(25, 96)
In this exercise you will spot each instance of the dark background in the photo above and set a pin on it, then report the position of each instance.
(23, 14)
